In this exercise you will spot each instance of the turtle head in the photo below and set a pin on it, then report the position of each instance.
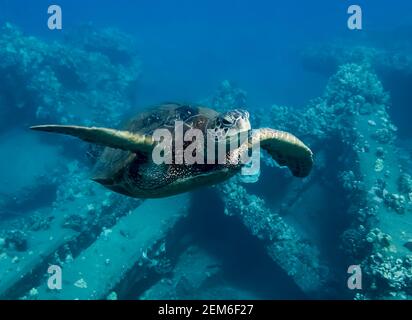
(231, 123)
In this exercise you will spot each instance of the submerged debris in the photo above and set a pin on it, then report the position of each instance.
(89, 79)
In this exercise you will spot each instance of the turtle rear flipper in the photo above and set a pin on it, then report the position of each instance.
(117, 139)
(286, 149)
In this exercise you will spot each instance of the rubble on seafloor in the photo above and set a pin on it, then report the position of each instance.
(113, 247)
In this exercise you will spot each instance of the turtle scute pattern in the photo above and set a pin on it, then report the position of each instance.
(165, 116)
(130, 170)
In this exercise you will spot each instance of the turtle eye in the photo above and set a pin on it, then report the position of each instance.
(227, 121)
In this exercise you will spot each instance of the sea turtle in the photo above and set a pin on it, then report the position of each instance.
(127, 165)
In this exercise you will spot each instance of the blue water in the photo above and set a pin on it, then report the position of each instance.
(186, 50)
(256, 44)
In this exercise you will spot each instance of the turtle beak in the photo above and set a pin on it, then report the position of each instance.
(244, 124)
(237, 134)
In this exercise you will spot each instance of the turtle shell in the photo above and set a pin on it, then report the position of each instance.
(165, 115)
(115, 166)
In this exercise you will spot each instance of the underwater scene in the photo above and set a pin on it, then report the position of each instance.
(113, 185)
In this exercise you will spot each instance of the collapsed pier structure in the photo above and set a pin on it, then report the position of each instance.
(280, 237)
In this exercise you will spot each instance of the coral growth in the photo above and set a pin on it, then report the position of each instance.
(295, 255)
(328, 57)
(388, 276)
(228, 97)
(351, 119)
(90, 80)
(16, 240)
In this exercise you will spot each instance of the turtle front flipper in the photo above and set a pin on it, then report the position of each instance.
(117, 139)
(286, 150)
